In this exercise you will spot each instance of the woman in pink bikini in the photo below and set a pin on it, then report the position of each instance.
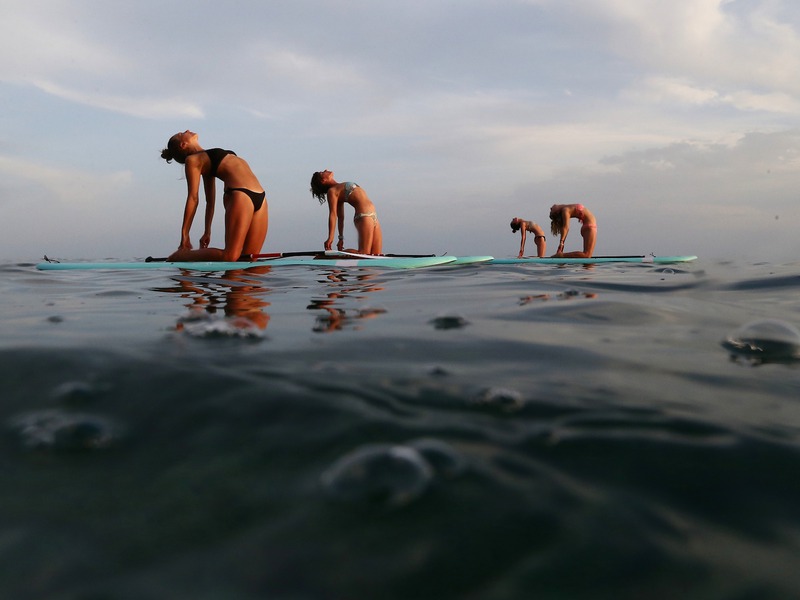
(325, 188)
(560, 214)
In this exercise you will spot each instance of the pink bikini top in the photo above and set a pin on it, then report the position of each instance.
(579, 212)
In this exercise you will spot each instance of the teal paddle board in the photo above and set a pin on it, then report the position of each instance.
(471, 260)
(459, 260)
(342, 261)
(595, 259)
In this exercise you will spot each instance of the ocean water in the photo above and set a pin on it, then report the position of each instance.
(478, 432)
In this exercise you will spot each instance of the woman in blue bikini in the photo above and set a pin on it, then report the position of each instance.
(245, 202)
(560, 214)
(526, 227)
(325, 188)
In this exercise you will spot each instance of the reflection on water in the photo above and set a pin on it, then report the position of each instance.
(231, 303)
(565, 295)
(343, 288)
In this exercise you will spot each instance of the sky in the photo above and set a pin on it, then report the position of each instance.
(676, 123)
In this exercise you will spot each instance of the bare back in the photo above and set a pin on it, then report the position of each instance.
(233, 170)
(357, 198)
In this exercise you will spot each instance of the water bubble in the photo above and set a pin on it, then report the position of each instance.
(78, 392)
(449, 322)
(503, 399)
(62, 431)
(767, 340)
(438, 370)
(444, 459)
(379, 475)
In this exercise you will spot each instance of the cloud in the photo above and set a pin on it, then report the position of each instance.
(308, 71)
(666, 90)
(777, 102)
(680, 92)
(53, 47)
(746, 49)
(149, 108)
(61, 184)
(46, 41)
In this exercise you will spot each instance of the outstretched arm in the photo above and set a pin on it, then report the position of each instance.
(192, 199)
(211, 190)
(522, 241)
(340, 243)
(333, 218)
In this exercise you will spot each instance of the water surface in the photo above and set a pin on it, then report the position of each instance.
(488, 432)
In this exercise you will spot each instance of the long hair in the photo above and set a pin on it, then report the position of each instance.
(556, 223)
(318, 189)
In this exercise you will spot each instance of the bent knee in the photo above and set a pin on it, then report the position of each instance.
(231, 255)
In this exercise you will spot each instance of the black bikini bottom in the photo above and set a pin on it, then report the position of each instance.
(256, 197)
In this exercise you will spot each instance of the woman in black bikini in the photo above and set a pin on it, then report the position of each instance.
(244, 199)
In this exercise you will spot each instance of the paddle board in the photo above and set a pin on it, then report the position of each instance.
(471, 260)
(379, 262)
(459, 260)
(595, 259)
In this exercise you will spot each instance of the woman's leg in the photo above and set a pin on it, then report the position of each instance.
(238, 221)
(589, 235)
(365, 228)
(259, 225)
(377, 239)
(541, 247)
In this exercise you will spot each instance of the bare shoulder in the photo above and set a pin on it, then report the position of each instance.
(334, 193)
(196, 161)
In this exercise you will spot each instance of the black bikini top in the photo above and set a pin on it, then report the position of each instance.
(215, 155)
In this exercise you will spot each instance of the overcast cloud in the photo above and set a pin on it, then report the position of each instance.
(675, 122)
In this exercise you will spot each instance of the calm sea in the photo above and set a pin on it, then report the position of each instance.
(479, 432)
